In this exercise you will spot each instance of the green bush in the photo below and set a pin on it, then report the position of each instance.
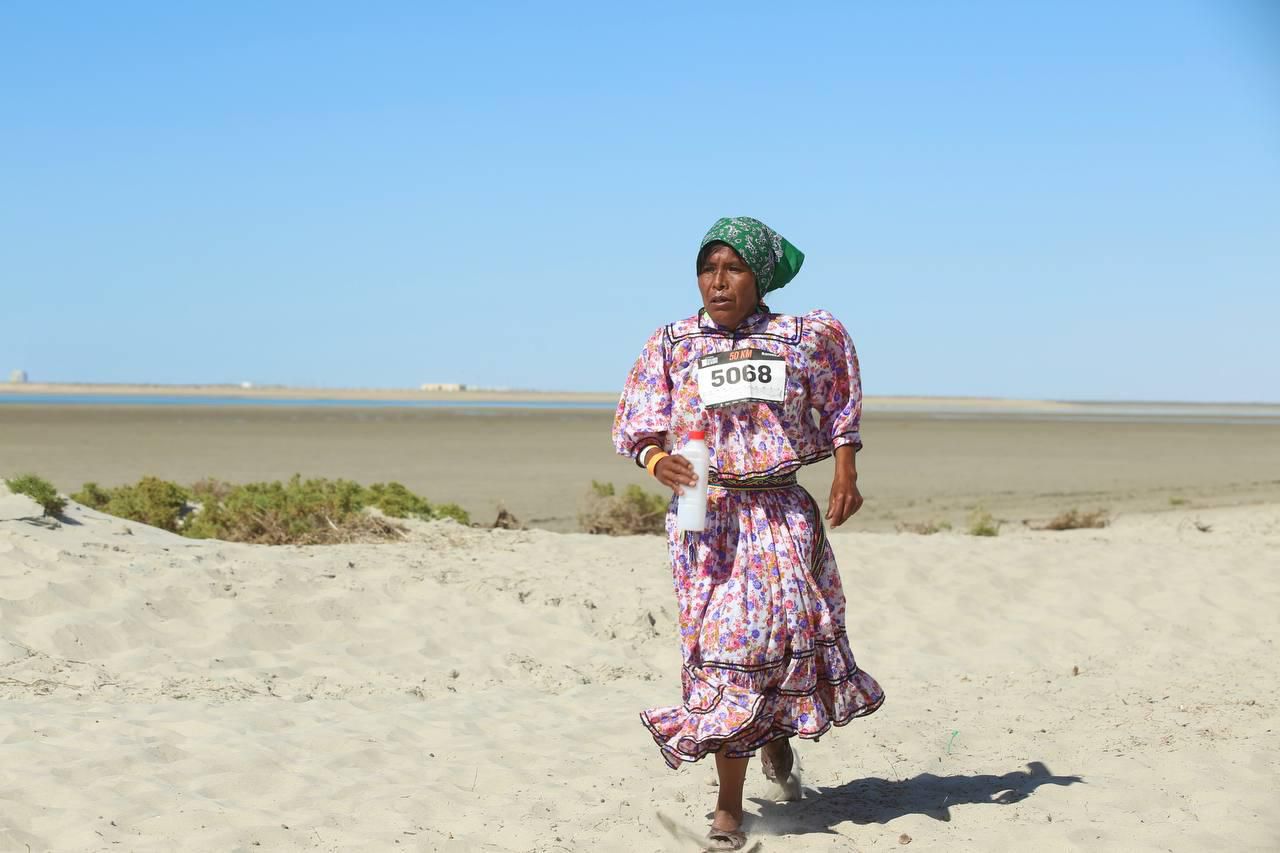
(981, 523)
(150, 501)
(299, 512)
(93, 496)
(39, 490)
(634, 511)
(395, 500)
(210, 489)
(453, 511)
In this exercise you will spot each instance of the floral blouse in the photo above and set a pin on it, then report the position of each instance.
(820, 410)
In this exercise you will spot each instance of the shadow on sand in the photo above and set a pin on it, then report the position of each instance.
(875, 800)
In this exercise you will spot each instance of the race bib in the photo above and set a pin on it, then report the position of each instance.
(741, 376)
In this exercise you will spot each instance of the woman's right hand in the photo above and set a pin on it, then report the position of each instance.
(675, 473)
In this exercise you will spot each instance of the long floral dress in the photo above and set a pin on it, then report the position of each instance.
(762, 610)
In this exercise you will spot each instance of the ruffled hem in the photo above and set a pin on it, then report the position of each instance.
(742, 709)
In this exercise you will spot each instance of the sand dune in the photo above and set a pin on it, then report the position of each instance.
(478, 690)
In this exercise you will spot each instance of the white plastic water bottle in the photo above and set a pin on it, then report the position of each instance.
(691, 509)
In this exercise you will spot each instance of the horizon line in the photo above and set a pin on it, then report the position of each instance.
(231, 389)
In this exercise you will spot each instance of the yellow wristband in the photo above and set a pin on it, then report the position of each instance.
(652, 465)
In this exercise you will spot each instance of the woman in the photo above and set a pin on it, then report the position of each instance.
(762, 612)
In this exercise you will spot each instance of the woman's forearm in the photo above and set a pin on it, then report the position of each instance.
(846, 459)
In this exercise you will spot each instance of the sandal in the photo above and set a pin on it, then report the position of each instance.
(725, 839)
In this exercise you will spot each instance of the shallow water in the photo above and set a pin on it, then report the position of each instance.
(303, 402)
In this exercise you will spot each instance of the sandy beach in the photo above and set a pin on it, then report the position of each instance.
(1110, 689)
(474, 689)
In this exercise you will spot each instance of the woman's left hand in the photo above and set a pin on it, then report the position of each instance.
(845, 498)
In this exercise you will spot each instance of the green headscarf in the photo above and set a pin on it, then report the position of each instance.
(773, 260)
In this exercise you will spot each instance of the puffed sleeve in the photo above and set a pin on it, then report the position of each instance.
(835, 385)
(644, 412)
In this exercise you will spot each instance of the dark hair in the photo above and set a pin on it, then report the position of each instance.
(711, 247)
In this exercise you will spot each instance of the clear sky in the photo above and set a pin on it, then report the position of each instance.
(1075, 200)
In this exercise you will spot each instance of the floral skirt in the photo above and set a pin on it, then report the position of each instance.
(762, 629)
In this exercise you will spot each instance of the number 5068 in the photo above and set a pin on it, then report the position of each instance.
(734, 375)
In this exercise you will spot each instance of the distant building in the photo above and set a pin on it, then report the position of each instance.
(443, 386)
(246, 385)
(18, 377)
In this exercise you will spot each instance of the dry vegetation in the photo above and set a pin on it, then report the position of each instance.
(633, 511)
(297, 512)
(1075, 520)
(982, 523)
(923, 528)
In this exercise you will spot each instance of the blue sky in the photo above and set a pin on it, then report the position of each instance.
(1073, 201)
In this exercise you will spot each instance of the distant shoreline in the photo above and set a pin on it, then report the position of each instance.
(958, 406)
(276, 392)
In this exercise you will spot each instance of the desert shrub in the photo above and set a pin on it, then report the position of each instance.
(299, 512)
(634, 511)
(151, 501)
(93, 496)
(1075, 520)
(981, 523)
(397, 501)
(923, 528)
(210, 489)
(453, 511)
(1177, 500)
(39, 490)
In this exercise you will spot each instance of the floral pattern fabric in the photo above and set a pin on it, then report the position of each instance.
(753, 439)
(761, 605)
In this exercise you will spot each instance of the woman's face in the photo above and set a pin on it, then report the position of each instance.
(728, 286)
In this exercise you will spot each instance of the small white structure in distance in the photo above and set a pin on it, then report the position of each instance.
(18, 377)
(246, 385)
(443, 386)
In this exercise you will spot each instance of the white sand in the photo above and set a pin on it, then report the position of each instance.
(475, 690)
